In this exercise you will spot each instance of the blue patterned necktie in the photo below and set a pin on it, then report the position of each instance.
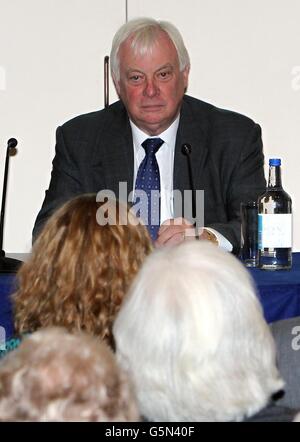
(148, 180)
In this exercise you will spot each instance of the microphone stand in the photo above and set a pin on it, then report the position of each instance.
(186, 149)
(106, 81)
(7, 265)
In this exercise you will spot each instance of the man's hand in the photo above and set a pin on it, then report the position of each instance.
(174, 231)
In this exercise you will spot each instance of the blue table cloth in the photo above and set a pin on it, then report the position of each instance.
(279, 291)
(7, 286)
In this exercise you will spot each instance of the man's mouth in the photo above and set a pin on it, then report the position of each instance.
(152, 107)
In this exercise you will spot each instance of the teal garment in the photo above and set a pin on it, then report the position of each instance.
(11, 345)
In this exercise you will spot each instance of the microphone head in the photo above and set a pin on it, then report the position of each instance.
(12, 143)
(186, 149)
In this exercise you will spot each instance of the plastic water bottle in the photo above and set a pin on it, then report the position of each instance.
(275, 223)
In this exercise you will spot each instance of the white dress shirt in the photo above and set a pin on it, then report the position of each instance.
(165, 160)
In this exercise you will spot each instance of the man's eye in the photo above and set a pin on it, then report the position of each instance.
(135, 78)
(164, 74)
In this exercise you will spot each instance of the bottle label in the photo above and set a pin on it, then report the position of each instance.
(275, 230)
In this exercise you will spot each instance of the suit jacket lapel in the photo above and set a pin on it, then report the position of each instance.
(114, 153)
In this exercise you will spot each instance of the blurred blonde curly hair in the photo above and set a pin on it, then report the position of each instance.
(80, 271)
(58, 376)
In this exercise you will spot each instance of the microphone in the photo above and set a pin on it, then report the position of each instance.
(12, 143)
(186, 149)
(7, 265)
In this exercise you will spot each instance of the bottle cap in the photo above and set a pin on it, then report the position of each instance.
(275, 162)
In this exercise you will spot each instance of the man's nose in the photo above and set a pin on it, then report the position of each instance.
(151, 88)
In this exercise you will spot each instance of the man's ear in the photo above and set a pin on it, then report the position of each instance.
(185, 73)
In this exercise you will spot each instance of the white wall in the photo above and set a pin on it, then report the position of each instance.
(245, 56)
(51, 69)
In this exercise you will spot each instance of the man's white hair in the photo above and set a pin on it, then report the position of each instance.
(192, 335)
(58, 376)
(144, 33)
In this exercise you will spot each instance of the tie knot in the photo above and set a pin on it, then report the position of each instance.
(151, 145)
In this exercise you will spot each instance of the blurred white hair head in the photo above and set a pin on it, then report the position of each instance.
(193, 337)
(58, 376)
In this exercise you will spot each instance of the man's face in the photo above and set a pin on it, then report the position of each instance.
(151, 86)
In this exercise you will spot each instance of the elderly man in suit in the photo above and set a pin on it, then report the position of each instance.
(139, 140)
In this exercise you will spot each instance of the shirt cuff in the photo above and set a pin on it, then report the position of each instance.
(223, 242)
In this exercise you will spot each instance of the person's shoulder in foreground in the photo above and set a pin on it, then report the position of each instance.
(287, 336)
(10, 345)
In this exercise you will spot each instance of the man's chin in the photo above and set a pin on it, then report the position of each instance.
(153, 123)
(153, 116)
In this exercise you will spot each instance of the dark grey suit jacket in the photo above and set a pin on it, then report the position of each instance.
(286, 335)
(95, 152)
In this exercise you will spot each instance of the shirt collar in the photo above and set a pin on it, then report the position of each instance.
(169, 135)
